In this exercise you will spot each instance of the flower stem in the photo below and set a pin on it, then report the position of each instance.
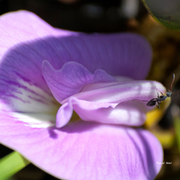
(11, 164)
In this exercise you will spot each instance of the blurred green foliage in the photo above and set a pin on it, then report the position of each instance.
(167, 12)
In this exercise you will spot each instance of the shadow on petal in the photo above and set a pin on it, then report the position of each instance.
(146, 155)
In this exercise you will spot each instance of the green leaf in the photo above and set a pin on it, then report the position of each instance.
(167, 12)
(11, 164)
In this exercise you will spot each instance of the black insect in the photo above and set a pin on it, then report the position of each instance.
(157, 101)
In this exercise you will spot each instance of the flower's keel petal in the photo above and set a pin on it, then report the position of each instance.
(117, 92)
(71, 78)
(130, 113)
(111, 103)
(84, 150)
(88, 111)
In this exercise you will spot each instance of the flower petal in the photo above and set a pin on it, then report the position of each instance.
(71, 78)
(116, 92)
(122, 54)
(23, 26)
(131, 113)
(34, 119)
(110, 103)
(26, 41)
(80, 150)
(22, 86)
(84, 150)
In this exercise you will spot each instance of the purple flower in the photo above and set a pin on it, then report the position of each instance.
(99, 76)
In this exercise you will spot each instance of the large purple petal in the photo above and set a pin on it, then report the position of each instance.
(26, 41)
(84, 150)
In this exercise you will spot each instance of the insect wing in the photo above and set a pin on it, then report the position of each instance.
(152, 102)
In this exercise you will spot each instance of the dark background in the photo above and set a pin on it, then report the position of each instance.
(77, 15)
